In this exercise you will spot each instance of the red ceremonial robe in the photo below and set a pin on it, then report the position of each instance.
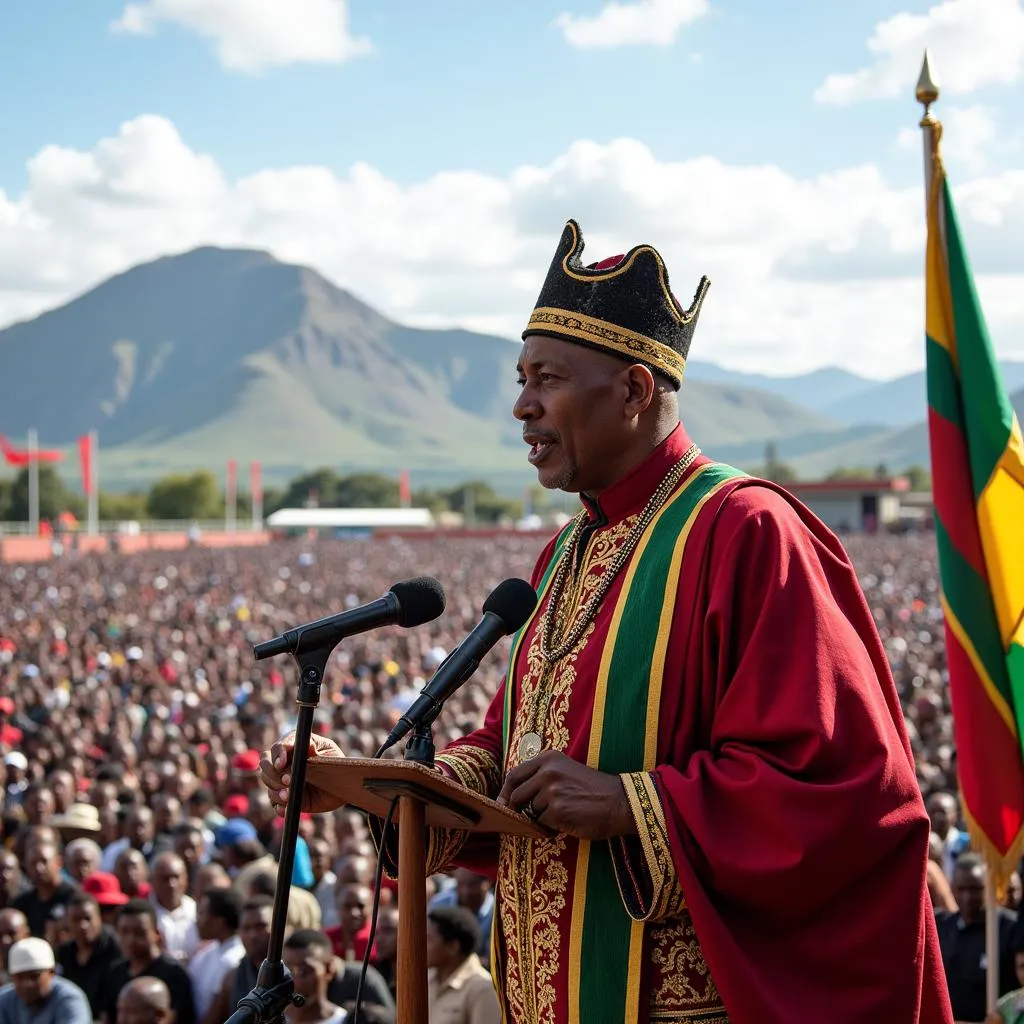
(793, 887)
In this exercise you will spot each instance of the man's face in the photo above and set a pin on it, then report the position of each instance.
(13, 928)
(254, 929)
(133, 1008)
(33, 987)
(310, 971)
(82, 862)
(85, 923)
(169, 881)
(137, 936)
(570, 408)
(10, 875)
(352, 902)
(131, 871)
(387, 933)
(140, 827)
(437, 949)
(470, 889)
(319, 857)
(39, 806)
(189, 847)
(941, 811)
(63, 786)
(969, 893)
(43, 864)
(205, 921)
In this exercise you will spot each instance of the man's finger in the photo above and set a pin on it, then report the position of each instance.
(525, 792)
(516, 777)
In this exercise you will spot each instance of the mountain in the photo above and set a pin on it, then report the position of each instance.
(213, 354)
(816, 390)
(897, 447)
(901, 401)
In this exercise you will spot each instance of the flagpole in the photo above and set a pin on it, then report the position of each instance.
(33, 482)
(94, 490)
(927, 93)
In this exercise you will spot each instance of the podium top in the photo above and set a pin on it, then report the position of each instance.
(370, 785)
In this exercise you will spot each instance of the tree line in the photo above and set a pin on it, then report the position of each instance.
(200, 496)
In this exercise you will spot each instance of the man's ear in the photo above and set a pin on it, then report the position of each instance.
(641, 389)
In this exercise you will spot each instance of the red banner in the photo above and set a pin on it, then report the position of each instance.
(232, 480)
(404, 488)
(256, 482)
(85, 455)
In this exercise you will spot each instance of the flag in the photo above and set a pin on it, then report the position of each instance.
(404, 489)
(977, 459)
(85, 455)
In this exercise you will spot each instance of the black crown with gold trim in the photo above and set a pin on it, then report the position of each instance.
(627, 309)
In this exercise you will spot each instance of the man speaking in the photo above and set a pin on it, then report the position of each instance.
(700, 711)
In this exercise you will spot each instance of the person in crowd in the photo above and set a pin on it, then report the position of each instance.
(254, 931)
(307, 955)
(13, 928)
(82, 859)
(87, 957)
(219, 916)
(49, 889)
(107, 892)
(473, 892)
(35, 993)
(962, 941)
(175, 909)
(139, 939)
(323, 880)
(459, 987)
(145, 1001)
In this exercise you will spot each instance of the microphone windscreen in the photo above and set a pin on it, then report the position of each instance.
(420, 600)
(513, 601)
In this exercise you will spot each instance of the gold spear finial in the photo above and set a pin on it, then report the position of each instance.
(927, 91)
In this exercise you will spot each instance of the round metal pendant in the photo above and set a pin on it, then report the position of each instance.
(529, 746)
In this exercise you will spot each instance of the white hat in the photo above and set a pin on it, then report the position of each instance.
(133, 654)
(30, 955)
(16, 759)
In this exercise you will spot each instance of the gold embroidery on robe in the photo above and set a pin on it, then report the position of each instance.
(666, 899)
(682, 988)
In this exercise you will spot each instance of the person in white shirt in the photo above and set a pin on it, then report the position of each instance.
(222, 949)
(175, 911)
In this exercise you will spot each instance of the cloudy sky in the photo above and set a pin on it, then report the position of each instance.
(425, 155)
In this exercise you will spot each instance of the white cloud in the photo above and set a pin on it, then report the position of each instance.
(805, 271)
(251, 35)
(973, 43)
(644, 22)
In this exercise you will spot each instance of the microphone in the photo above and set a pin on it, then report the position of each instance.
(408, 603)
(506, 610)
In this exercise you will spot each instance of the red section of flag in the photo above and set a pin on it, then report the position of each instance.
(256, 482)
(404, 487)
(85, 455)
(232, 479)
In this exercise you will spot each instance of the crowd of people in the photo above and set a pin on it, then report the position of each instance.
(139, 858)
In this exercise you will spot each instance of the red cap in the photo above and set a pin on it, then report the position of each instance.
(248, 762)
(6, 705)
(236, 805)
(105, 888)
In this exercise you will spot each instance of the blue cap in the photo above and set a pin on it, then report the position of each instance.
(233, 831)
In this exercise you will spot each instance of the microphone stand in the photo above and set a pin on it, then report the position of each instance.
(275, 989)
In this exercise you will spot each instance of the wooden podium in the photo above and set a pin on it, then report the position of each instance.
(426, 799)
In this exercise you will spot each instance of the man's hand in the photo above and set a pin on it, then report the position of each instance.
(275, 774)
(565, 796)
